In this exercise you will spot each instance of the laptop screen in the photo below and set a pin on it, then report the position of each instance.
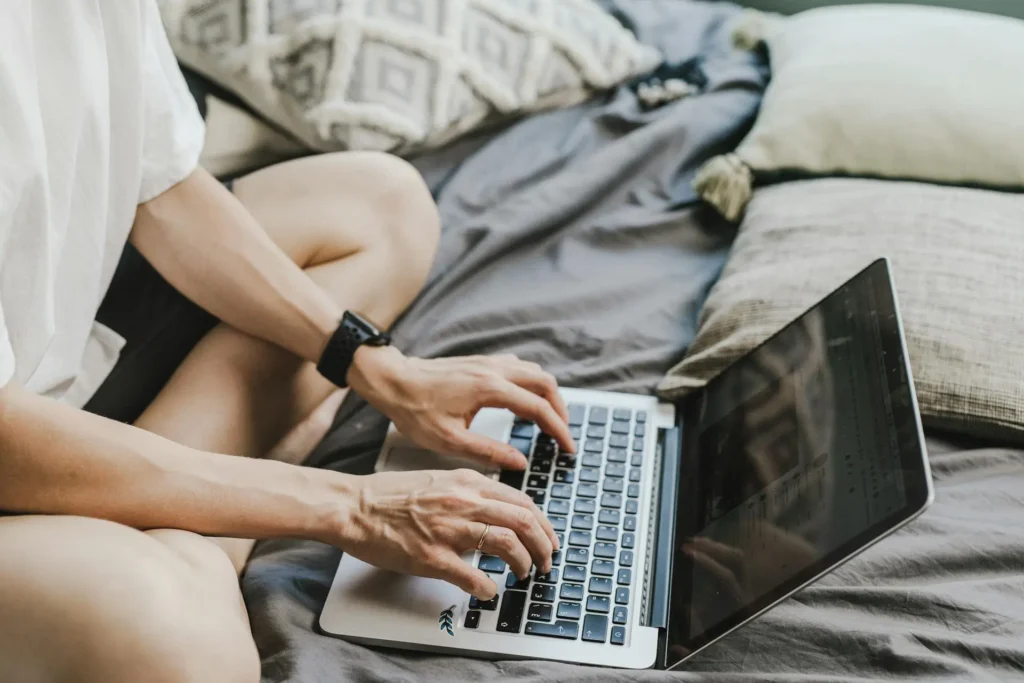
(794, 458)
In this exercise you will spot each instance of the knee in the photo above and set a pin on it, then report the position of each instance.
(407, 226)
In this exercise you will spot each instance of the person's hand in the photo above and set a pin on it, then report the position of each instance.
(433, 401)
(420, 522)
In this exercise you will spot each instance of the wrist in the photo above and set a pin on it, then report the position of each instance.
(338, 522)
(375, 371)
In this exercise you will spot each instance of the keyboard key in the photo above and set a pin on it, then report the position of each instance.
(618, 441)
(492, 564)
(634, 474)
(557, 522)
(590, 475)
(598, 603)
(599, 586)
(630, 523)
(598, 415)
(580, 538)
(556, 558)
(537, 481)
(641, 417)
(586, 490)
(541, 465)
(537, 496)
(628, 540)
(577, 412)
(569, 610)
(568, 461)
(626, 558)
(618, 635)
(615, 469)
(472, 619)
(640, 430)
(607, 533)
(523, 430)
(575, 432)
(624, 577)
(638, 444)
(489, 605)
(611, 500)
(622, 414)
(595, 628)
(571, 591)
(560, 629)
(521, 445)
(620, 615)
(621, 596)
(542, 593)
(584, 505)
(550, 577)
(611, 485)
(595, 432)
(620, 427)
(605, 550)
(566, 476)
(633, 491)
(631, 507)
(616, 455)
(539, 612)
(519, 584)
(558, 507)
(602, 568)
(591, 460)
(513, 478)
(609, 517)
(544, 449)
(575, 572)
(563, 491)
(577, 556)
(583, 522)
(637, 460)
(593, 446)
(561, 539)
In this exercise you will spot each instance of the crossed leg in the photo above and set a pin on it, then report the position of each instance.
(88, 600)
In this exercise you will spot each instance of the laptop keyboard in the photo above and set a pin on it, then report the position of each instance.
(592, 499)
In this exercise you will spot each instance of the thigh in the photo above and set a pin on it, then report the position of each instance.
(88, 600)
(364, 228)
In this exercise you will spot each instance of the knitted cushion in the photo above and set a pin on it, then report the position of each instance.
(402, 75)
(956, 256)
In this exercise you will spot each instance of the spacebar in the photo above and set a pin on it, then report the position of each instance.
(559, 629)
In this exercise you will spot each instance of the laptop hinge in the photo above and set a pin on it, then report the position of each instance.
(654, 605)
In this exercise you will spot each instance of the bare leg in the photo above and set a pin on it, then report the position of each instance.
(90, 601)
(365, 228)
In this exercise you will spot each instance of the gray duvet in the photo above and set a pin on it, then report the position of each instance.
(572, 239)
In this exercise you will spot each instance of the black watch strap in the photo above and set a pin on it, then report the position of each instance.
(353, 332)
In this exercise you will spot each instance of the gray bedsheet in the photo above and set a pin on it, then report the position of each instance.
(572, 239)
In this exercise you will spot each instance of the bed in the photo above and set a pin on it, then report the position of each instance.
(573, 239)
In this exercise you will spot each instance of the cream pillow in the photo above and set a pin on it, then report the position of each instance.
(957, 258)
(402, 75)
(886, 91)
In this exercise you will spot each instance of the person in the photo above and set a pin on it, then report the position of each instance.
(132, 486)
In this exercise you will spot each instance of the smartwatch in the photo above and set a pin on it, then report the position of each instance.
(353, 332)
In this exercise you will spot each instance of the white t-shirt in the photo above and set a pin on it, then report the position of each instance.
(95, 118)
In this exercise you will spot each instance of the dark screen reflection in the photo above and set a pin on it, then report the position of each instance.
(786, 460)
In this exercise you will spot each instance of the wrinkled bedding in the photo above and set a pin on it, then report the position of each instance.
(573, 239)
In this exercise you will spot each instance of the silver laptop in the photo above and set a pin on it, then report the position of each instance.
(681, 522)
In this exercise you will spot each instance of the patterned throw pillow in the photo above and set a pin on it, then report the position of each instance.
(402, 75)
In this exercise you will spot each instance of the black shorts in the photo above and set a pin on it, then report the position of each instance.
(160, 327)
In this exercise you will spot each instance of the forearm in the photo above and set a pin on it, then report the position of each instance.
(204, 242)
(55, 459)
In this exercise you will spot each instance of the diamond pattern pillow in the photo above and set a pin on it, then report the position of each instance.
(402, 75)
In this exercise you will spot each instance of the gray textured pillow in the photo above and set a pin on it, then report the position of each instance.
(402, 75)
(958, 261)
